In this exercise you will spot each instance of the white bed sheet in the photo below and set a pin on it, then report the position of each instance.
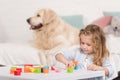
(11, 53)
(113, 44)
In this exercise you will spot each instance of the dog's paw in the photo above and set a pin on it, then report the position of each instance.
(51, 60)
(43, 59)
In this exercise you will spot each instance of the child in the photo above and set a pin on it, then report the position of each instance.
(92, 51)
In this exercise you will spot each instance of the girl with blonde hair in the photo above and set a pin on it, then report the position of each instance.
(92, 54)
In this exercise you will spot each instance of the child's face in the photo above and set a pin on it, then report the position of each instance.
(86, 44)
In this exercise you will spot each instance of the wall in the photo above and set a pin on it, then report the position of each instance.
(13, 14)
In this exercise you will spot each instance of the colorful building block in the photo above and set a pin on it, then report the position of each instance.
(76, 68)
(45, 70)
(37, 70)
(27, 68)
(70, 70)
(12, 69)
(17, 72)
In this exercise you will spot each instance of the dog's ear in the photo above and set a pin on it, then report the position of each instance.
(49, 16)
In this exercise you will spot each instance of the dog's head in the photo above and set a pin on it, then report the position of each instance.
(41, 18)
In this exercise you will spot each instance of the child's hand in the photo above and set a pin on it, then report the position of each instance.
(93, 67)
(69, 64)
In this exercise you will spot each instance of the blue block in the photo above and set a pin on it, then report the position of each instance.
(76, 68)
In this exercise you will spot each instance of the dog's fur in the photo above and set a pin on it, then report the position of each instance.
(52, 34)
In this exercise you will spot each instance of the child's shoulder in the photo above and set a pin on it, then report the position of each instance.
(74, 48)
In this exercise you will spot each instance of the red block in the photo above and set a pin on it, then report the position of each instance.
(52, 68)
(19, 69)
(17, 72)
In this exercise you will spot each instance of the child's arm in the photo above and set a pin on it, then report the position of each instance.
(104, 69)
(95, 67)
(60, 57)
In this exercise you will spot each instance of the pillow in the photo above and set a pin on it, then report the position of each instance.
(74, 20)
(115, 14)
(103, 21)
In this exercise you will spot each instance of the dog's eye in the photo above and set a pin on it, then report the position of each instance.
(38, 15)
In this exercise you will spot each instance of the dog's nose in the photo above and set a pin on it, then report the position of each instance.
(28, 20)
(40, 25)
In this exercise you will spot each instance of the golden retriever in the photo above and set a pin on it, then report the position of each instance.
(51, 34)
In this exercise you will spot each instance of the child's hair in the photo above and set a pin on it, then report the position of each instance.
(99, 42)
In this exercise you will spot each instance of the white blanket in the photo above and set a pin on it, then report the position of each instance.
(11, 53)
(113, 44)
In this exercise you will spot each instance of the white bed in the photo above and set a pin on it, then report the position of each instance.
(14, 53)
(113, 44)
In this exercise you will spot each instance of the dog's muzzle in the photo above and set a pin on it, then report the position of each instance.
(34, 27)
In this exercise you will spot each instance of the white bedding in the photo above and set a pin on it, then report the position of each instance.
(116, 60)
(113, 44)
(11, 53)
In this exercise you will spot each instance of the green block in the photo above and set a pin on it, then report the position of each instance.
(37, 70)
(13, 67)
(70, 70)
